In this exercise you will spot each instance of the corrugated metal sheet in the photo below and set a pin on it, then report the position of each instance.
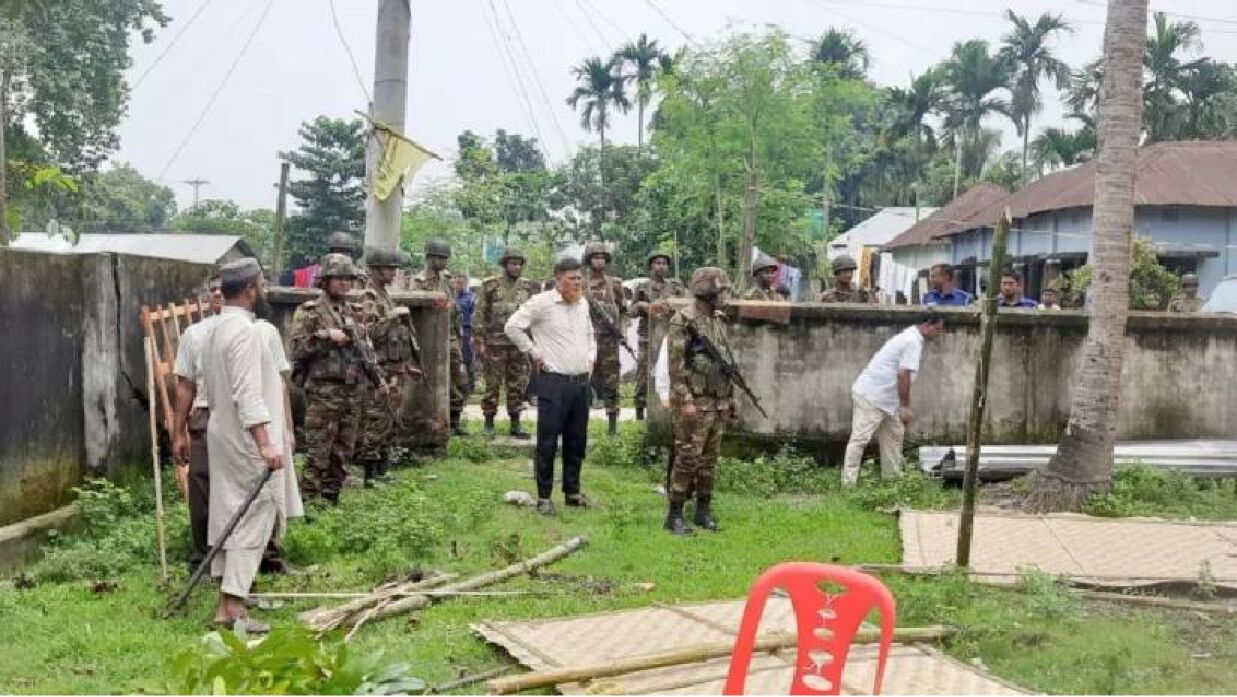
(199, 249)
(1187, 173)
(946, 220)
(884, 225)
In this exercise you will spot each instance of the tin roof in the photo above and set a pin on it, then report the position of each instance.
(952, 217)
(882, 227)
(191, 247)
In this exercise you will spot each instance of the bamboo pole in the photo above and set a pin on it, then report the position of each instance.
(1162, 603)
(691, 654)
(325, 618)
(154, 459)
(396, 594)
(979, 397)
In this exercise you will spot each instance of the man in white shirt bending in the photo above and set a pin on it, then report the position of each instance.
(882, 399)
(562, 349)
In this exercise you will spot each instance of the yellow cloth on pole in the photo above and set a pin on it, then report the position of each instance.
(400, 157)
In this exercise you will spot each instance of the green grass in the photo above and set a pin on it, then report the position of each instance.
(63, 637)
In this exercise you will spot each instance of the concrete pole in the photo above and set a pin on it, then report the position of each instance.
(281, 213)
(382, 218)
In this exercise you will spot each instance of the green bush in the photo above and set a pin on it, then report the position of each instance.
(626, 449)
(787, 472)
(103, 504)
(289, 662)
(1141, 490)
(912, 490)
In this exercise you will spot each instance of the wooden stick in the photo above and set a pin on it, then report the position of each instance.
(326, 618)
(419, 601)
(470, 679)
(979, 396)
(691, 654)
(396, 594)
(154, 461)
(1157, 602)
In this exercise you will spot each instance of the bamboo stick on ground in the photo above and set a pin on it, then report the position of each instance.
(691, 654)
(1158, 602)
(325, 618)
(393, 594)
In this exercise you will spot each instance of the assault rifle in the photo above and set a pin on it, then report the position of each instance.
(607, 324)
(729, 369)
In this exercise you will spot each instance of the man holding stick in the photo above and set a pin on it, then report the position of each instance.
(247, 433)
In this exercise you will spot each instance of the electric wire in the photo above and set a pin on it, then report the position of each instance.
(512, 67)
(545, 99)
(166, 49)
(356, 70)
(218, 89)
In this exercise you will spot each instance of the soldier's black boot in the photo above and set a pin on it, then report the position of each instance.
(639, 413)
(457, 429)
(489, 424)
(613, 424)
(517, 432)
(382, 470)
(370, 473)
(704, 513)
(674, 520)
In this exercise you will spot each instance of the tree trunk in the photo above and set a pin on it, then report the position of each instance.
(750, 200)
(957, 162)
(721, 228)
(4, 183)
(1083, 463)
(640, 126)
(1026, 145)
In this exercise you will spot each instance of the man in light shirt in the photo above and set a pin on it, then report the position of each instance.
(882, 399)
(562, 349)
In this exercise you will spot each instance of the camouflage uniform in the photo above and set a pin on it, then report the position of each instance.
(427, 280)
(648, 292)
(499, 298)
(607, 294)
(697, 380)
(395, 348)
(335, 381)
(758, 293)
(851, 293)
(340, 242)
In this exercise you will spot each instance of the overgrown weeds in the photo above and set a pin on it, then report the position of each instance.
(1141, 490)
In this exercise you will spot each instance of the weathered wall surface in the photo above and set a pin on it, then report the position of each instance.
(41, 435)
(428, 409)
(1176, 382)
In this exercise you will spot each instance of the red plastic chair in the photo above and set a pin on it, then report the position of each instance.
(826, 624)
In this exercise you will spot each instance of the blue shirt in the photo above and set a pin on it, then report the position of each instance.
(465, 302)
(957, 296)
(1022, 302)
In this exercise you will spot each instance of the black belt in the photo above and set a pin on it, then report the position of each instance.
(580, 379)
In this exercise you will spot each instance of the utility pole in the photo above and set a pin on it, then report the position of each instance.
(281, 211)
(4, 211)
(196, 184)
(382, 218)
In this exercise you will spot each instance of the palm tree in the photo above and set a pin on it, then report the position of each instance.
(925, 96)
(1207, 113)
(1027, 52)
(645, 58)
(1057, 147)
(973, 75)
(1166, 69)
(843, 50)
(1082, 465)
(599, 91)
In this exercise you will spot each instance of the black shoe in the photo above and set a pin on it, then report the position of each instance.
(331, 497)
(517, 432)
(704, 513)
(613, 424)
(489, 424)
(457, 429)
(369, 468)
(545, 507)
(577, 501)
(639, 413)
(674, 520)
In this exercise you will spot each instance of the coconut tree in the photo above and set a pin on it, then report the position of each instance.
(1082, 465)
(843, 50)
(599, 92)
(925, 96)
(644, 58)
(1057, 147)
(1031, 59)
(974, 77)
(1167, 67)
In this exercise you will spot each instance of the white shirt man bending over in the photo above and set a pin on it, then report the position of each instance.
(562, 349)
(881, 397)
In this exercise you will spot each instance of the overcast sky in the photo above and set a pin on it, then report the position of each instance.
(460, 77)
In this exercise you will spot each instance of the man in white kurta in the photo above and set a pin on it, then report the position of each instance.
(246, 435)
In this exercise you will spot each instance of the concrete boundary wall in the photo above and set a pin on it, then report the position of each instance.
(1177, 380)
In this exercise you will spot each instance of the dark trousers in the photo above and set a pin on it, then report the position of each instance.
(562, 409)
(198, 489)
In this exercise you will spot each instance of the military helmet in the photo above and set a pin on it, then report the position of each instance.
(382, 257)
(335, 265)
(709, 280)
(592, 249)
(1190, 279)
(438, 247)
(340, 240)
(658, 255)
(511, 253)
(763, 261)
(844, 262)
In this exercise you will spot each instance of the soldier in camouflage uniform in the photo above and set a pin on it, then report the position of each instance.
(1187, 301)
(499, 298)
(340, 242)
(331, 349)
(844, 289)
(701, 398)
(649, 295)
(764, 267)
(395, 347)
(605, 296)
(435, 277)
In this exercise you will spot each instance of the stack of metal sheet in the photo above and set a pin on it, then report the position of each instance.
(1199, 458)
